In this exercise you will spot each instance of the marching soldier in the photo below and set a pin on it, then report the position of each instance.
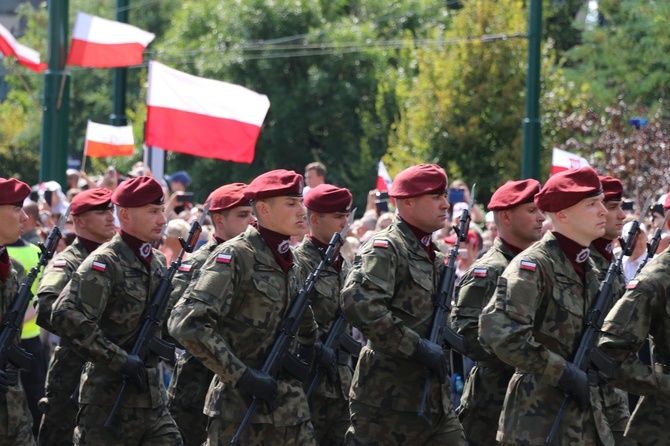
(328, 208)
(99, 313)
(231, 215)
(93, 216)
(16, 428)
(535, 319)
(388, 296)
(519, 223)
(230, 315)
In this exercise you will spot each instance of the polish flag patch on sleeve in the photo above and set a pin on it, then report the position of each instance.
(185, 267)
(632, 284)
(380, 243)
(99, 266)
(479, 272)
(59, 263)
(528, 266)
(224, 258)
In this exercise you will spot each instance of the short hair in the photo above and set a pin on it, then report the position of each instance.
(177, 228)
(318, 167)
(32, 209)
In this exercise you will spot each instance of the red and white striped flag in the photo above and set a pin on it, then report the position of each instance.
(102, 43)
(383, 178)
(562, 160)
(202, 117)
(27, 57)
(108, 140)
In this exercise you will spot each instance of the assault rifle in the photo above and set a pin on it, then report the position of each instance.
(280, 356)
(652, 245)
(13, 320)
(440, 330)
(147, 342)
(588, 355)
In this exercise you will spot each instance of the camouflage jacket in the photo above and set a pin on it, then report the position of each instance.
(13, 407)
(187, 270)
(99, 314)
(56, 275)
(388, 296)
(534, 322)
(229, 319)
(644, 310)
(325, 304)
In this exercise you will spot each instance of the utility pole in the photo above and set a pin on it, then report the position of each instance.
(55, 119)
(118, 116)
(530, 164)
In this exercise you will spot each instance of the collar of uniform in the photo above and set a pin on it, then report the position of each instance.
(261, 250)
(321, 248)
(89, 245)
(604, 247)
(410, 237)
(515, 250)
(574, 252)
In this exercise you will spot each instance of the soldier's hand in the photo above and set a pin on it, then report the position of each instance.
(574, 382)
(432, 356)
(326, 358)
(259, 384)
(135, 370)
(5, 382)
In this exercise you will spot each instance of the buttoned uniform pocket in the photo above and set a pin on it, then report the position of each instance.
(129, 301)
(563, 321)
(415, 298)
(261, 304)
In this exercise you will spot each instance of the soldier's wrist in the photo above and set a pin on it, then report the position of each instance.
(119, 359)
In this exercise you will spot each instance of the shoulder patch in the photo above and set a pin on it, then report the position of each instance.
(99, 266)
(224, 258)
(59, 263)
(479, 272)
(185, 267)
(632, 284)
(527, 265)
(380, 243)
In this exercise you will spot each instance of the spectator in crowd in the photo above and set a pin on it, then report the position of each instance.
(30, 233)
(179, 181)
(315, 174)
(475, 213)
(171, 246)
(53, 199)
(631, 264)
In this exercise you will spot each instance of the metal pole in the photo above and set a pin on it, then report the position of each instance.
(118, 116)
(55, 121)
(530, 164)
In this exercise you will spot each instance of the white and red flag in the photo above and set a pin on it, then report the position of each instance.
(562, 160)
(383, 178)
(102, 43)
(202, 117)
(108, 140)
(27, 57)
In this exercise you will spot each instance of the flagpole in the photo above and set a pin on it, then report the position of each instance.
(62, 87)
(23, 82)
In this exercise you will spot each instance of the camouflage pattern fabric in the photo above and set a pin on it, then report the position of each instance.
(644, 310)
(388, 296)
(220, 432)
(486, 385)
(229, 319)
(330, 401)
(16, 422)
(534, 322)
(59, 412)
(190, 380)
(98, 314)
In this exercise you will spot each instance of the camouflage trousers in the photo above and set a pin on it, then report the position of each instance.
(59, 412)
(378, 426)
(220, 433)
(186, 398)
(140, 426)
(330, 417)
(617, 413)
(648, 424)
(16, 429)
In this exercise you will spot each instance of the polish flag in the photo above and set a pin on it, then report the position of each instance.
(102, 43)
(108, 140)
(383, 178)
(202, 117)
(562, 160)
(27, 57)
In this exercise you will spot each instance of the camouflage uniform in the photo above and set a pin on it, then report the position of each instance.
(16, 428)
(229, 319)
(388, 296)
(99, 313)
(59, 412)
(485, 388)
(535, 321)
(644, 310)
(191, 379)
(330, 400)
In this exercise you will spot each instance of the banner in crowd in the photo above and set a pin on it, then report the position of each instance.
(383, 178)
(25, 56)
(202, 117)
(108, 140)
(102, 43)
(562, 160)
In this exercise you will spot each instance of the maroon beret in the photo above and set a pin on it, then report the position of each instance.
(422, 179)
(138, 192)
(326, 198)
(13, 191)
(275, 183)
(227, 197)
(514, 193)
(567, 188)
(612, 188)
(91, 200)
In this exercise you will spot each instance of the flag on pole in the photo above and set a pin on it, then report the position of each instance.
(202, 117)
(27, 57)
(102, 43)
(562, 160)
(108, 140)
(383, 178)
